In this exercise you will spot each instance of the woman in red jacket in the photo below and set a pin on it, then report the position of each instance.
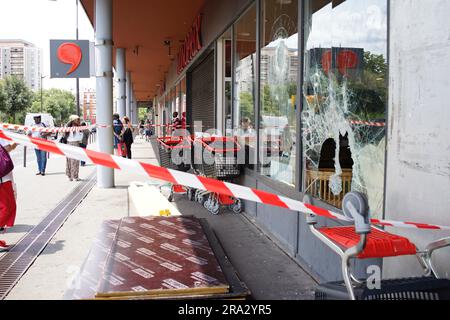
(7, 197)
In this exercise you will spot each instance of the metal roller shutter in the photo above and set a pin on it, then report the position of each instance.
(202, 89)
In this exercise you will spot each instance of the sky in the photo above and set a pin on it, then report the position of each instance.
(38, 21)
(354, 23)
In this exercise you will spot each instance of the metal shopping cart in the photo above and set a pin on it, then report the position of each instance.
(173, 154)
(363, 241)
(217, 158)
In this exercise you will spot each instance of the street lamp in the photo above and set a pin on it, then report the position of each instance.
(77, 79)
(42, 100)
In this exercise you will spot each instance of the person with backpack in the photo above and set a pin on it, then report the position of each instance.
(117, 131)
(85, 140)
(8, 205)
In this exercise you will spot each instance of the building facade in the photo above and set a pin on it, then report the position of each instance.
(337, 89)
(21, 59)
(89, 106)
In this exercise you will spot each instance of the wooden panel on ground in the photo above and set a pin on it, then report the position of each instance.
(85, 285)
(161, 258)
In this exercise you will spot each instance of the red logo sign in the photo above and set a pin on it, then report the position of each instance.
(70, 53)
(345, 60)
(192, 45)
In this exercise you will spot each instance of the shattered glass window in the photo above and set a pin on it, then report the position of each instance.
(345, 98)
(279, 77)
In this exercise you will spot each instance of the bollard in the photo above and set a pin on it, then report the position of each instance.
(24, 156)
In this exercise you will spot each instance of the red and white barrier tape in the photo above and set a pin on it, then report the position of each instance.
(367, 123)
(67, 129)
(42, 129)
(76, 129)
(191, 180)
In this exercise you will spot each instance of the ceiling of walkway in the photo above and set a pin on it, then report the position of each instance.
(142, 27)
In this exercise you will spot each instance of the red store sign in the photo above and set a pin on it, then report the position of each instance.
(192, 45)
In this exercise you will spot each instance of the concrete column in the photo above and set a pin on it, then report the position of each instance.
(128, 98)
(104, 85)
(135, 110)
(121, 81)
(131, 103)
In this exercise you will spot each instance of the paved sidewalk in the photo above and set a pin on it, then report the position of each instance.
(37, 195)
(267, 271)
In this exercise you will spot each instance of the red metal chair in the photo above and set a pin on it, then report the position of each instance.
(363, 241)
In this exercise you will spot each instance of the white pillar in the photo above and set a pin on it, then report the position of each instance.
(121, 81)
(104, 84)
(135, 110)
(128, 98)
(131, 103)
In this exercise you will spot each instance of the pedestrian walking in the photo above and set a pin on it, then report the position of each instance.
(148, 130)
(142, 129)
(7, 189)
(127, 136)
(85, 140)
(117, 130)
(41, 156)
(73, 139)
(176, 125)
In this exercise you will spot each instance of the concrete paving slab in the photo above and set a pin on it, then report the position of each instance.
(267, 271)
(37, 195)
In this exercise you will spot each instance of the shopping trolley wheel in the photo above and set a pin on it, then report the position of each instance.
(201, 199)
(207, 204)
(214, 208)
(191, 194)
(237, 207)
(170, 197)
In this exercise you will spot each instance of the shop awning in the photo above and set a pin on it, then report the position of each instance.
(143, 27)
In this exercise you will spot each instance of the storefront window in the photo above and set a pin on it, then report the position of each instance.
(345, 91)
(245, 71)
(178, 99)
(224, 58)
(279, 76)
(173, 101)
(183, 95)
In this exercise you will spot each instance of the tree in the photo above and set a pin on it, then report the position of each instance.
(17, 97)
(369, 94)
(2, 99)
(59, 103)
(246, 105)
(375, 63)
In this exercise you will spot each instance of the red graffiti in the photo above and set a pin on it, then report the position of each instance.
(70, 53)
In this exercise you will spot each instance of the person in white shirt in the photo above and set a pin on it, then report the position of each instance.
(41, 156)
(7, 196)
(73, 139)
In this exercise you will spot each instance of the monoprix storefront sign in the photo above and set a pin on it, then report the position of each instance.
(192, 45)
(70, 59)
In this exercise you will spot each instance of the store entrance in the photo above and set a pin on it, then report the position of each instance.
(224, 84)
